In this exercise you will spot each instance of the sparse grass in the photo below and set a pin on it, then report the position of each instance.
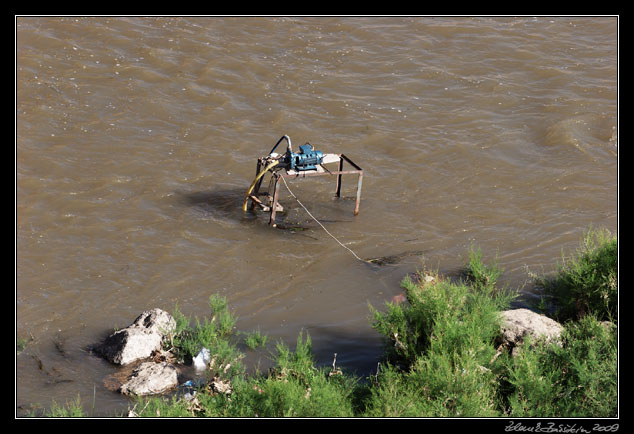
(255, 339)
(70, 409)
(20, 345)
(212, 333)
(294, 388)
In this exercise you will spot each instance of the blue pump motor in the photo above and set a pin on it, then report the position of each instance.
(306, 159)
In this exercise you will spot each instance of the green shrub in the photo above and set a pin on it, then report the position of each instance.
(440, 347)
(295, 387)
(586, 283)
(576, 379)
(482, 277)
(442, 314)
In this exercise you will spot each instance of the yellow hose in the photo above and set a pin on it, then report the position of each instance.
(255, 181)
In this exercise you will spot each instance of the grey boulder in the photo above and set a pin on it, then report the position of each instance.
(517, 324)
(139, 340)
(151, 378)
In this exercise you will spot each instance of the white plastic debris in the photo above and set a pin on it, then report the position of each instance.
(202, 359)
(189, 395)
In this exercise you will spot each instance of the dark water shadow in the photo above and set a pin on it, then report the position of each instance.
(394, 259)
(226, 204)
(222, 204)
(357, 353)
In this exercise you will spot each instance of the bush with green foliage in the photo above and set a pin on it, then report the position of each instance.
(586, 283)
(577, 379)
(440, 346)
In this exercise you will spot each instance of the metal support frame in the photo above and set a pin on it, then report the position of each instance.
(274, 207)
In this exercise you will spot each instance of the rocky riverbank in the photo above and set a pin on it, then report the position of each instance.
(156, 370)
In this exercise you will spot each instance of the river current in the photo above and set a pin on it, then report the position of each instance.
(137, 137)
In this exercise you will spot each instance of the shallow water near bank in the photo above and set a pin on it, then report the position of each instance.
(137, 137)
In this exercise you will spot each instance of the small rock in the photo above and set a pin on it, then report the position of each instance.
(220, 386)
(151, 378)
(140, 339)
(608, 326)
(161, 355)
(398, 299)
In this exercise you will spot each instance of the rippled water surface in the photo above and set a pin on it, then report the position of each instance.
(137, 137)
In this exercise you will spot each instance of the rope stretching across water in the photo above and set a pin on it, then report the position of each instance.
(319, 223)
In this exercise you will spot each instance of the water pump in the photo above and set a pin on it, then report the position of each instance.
(306, 163)
(306, 159)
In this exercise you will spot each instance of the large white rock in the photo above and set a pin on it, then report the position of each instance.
(140, 339)
(517, 324)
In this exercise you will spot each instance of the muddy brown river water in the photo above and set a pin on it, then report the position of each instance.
(137, 137)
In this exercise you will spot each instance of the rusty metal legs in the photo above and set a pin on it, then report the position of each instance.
(341, 172)
(276, 191)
